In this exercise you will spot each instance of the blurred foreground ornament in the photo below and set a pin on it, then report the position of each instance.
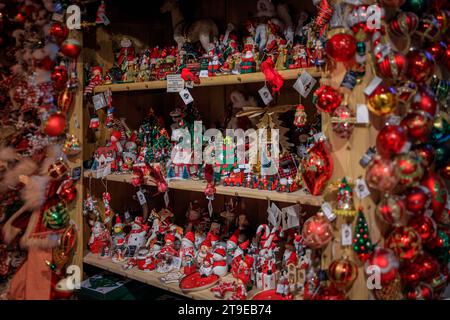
(56, 217)
(405, 242)
(72, 145)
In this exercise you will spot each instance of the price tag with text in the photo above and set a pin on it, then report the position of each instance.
(174, 83)
(346, 234)
(304, 84)
(265, 94)
(141, 198)
(361, 189)
(328, 211)
(186, 96)
(99, 101)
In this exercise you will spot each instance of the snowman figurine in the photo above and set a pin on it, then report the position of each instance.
(220, 266)
(136, 238)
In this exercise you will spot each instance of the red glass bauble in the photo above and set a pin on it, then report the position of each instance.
(59, 77)
(341, 47)
(425, 227)
(425, 100)
(343, 122)
(417, 200)
(404, 24)
(71, 48)
(437, 50)
(381, 175)
(391, 210)
(418, 125)
(391, 140)
(342, 273)
(59, 31)
(392, 65)
(426, 154)
(421, 66)
(327, 99)
(67, 191)
(387, 263)
(317, 232)
(409, 169)
(405, 242)
(55, 125)
(318, 168)
(329, 293)
(438, 192)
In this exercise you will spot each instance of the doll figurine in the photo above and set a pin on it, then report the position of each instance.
(248, 62)
(99, 238)
(126, 55)
(95, 79)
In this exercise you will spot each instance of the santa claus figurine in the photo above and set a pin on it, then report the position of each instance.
(187, 245)
(248, 63)
(126, 54)
(188, 264)
(204, 252)
(169, 246)
(206, 268)
(99, 239)
(220, 266)
(245, 270)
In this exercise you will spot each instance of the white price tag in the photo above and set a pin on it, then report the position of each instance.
(166, 199)
(274, 215)
(176, 263)
(362, 113)
(346, 235)
(304, 84)
(186, 96)
(265, 94)
(290, 217)
(107, 170)
(174, 83)
(407, 147)
(141, 198)
(189, 84)
(203, 74)
(361, 189)
(237, 170)
(376, 81)
(99, 101)
(394, 120)
(328, 211)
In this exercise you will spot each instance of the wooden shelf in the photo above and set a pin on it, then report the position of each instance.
(207, 82)
(199, 186)
(152, 278)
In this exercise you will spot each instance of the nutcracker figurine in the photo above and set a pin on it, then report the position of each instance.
(248, 63)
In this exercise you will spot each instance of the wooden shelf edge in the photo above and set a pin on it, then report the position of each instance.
(207, 82)
(199, 186)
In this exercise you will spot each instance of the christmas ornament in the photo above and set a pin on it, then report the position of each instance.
(424, 226)
(65, 100)
(59, 31)
(345, 206)
(391, 140)
(341, 47)
(418, 125)
(317, 232)
(317, 168)
(58, 170)
(343, 122)
(300, 117)
(342, 273)
(381, 175)
(329, 293)
(56, 217)
(428, 28)
(391, 210)
(392, 65)
(438, 191)
(324, 13)
(438, 50)
(55, 125)
(72, 146)
(416, 6)
(362, 244)
(425, 153)
(417, 200)
(420, 66)
(67, 191)
(404, 24)
(327, 99)
(405, 242)
(440, 246)
(422, 292)
(71, 48)
(383, 101)
(386, 261)
(409, 169)
(390, 291)
(59, 77)
(425, 101)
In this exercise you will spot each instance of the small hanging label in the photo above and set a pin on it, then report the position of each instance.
(76, 123)
(304, 84)
(76, 173)
(361, 189)
(99, 101)
(349, 80)
(203, 74)
(265, 94)
(346, 234)
(376, 81)
(141, 198)
(273, 215)
(393, 120)
(174, 83)
(290, 217)
(328, 211)
(407, 147)
(107, 170)
(210, 208)
(367, 157)
(186, 96)
(166, 199)
(362, 113)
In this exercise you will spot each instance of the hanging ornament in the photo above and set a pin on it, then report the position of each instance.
(65, 100)
(317, 231)
(55, 125)
(106, 198)
(425, 153)
(317, 168)
(324, 14)
(300, 117)
(59, 31)
(329, 293)
(72, 145)
(404, 24)
(383, 101)
(56, 217)
(438, 192)
(391, 140)
(423, 268)
(409, 169)
(428, 28)
(58, 170)
(416, 6)
(386, 261)
(342, 273)
(437, 49)
(391, 210)
(405, 242)
(327, 98)
(381, 175)
(59, 77)
(441, 87)
(418, 125)
(71, 48)
(362, 244)
(341, 47)
(421, 66)
(425, 101)
(392, 66)
(343, 122)
(345, 206)
(424, 226)
(417, 200)
(440, 246)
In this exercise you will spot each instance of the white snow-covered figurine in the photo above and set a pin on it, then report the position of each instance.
(136, 237)
(231, 247)
(283, 285)
(220, 266)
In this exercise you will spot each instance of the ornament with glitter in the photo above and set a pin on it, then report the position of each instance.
(345, 206)
(106, 197)
(300, 117)
(362, 245)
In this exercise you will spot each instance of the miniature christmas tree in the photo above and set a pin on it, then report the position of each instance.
(362, 245)
(345, 206)
(185, 174)
(171, 173)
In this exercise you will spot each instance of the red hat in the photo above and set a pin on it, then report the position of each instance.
(234, 238)
(116, 134)
(244, 245)
(190, 237)
(212, 237)
(169, 237)
(120, 241)
(249, 260)
(292, 259)
(220, 251)
(206, 243)
(118, 220)
(97, 68)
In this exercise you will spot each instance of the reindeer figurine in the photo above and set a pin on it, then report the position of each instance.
(203, 30)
